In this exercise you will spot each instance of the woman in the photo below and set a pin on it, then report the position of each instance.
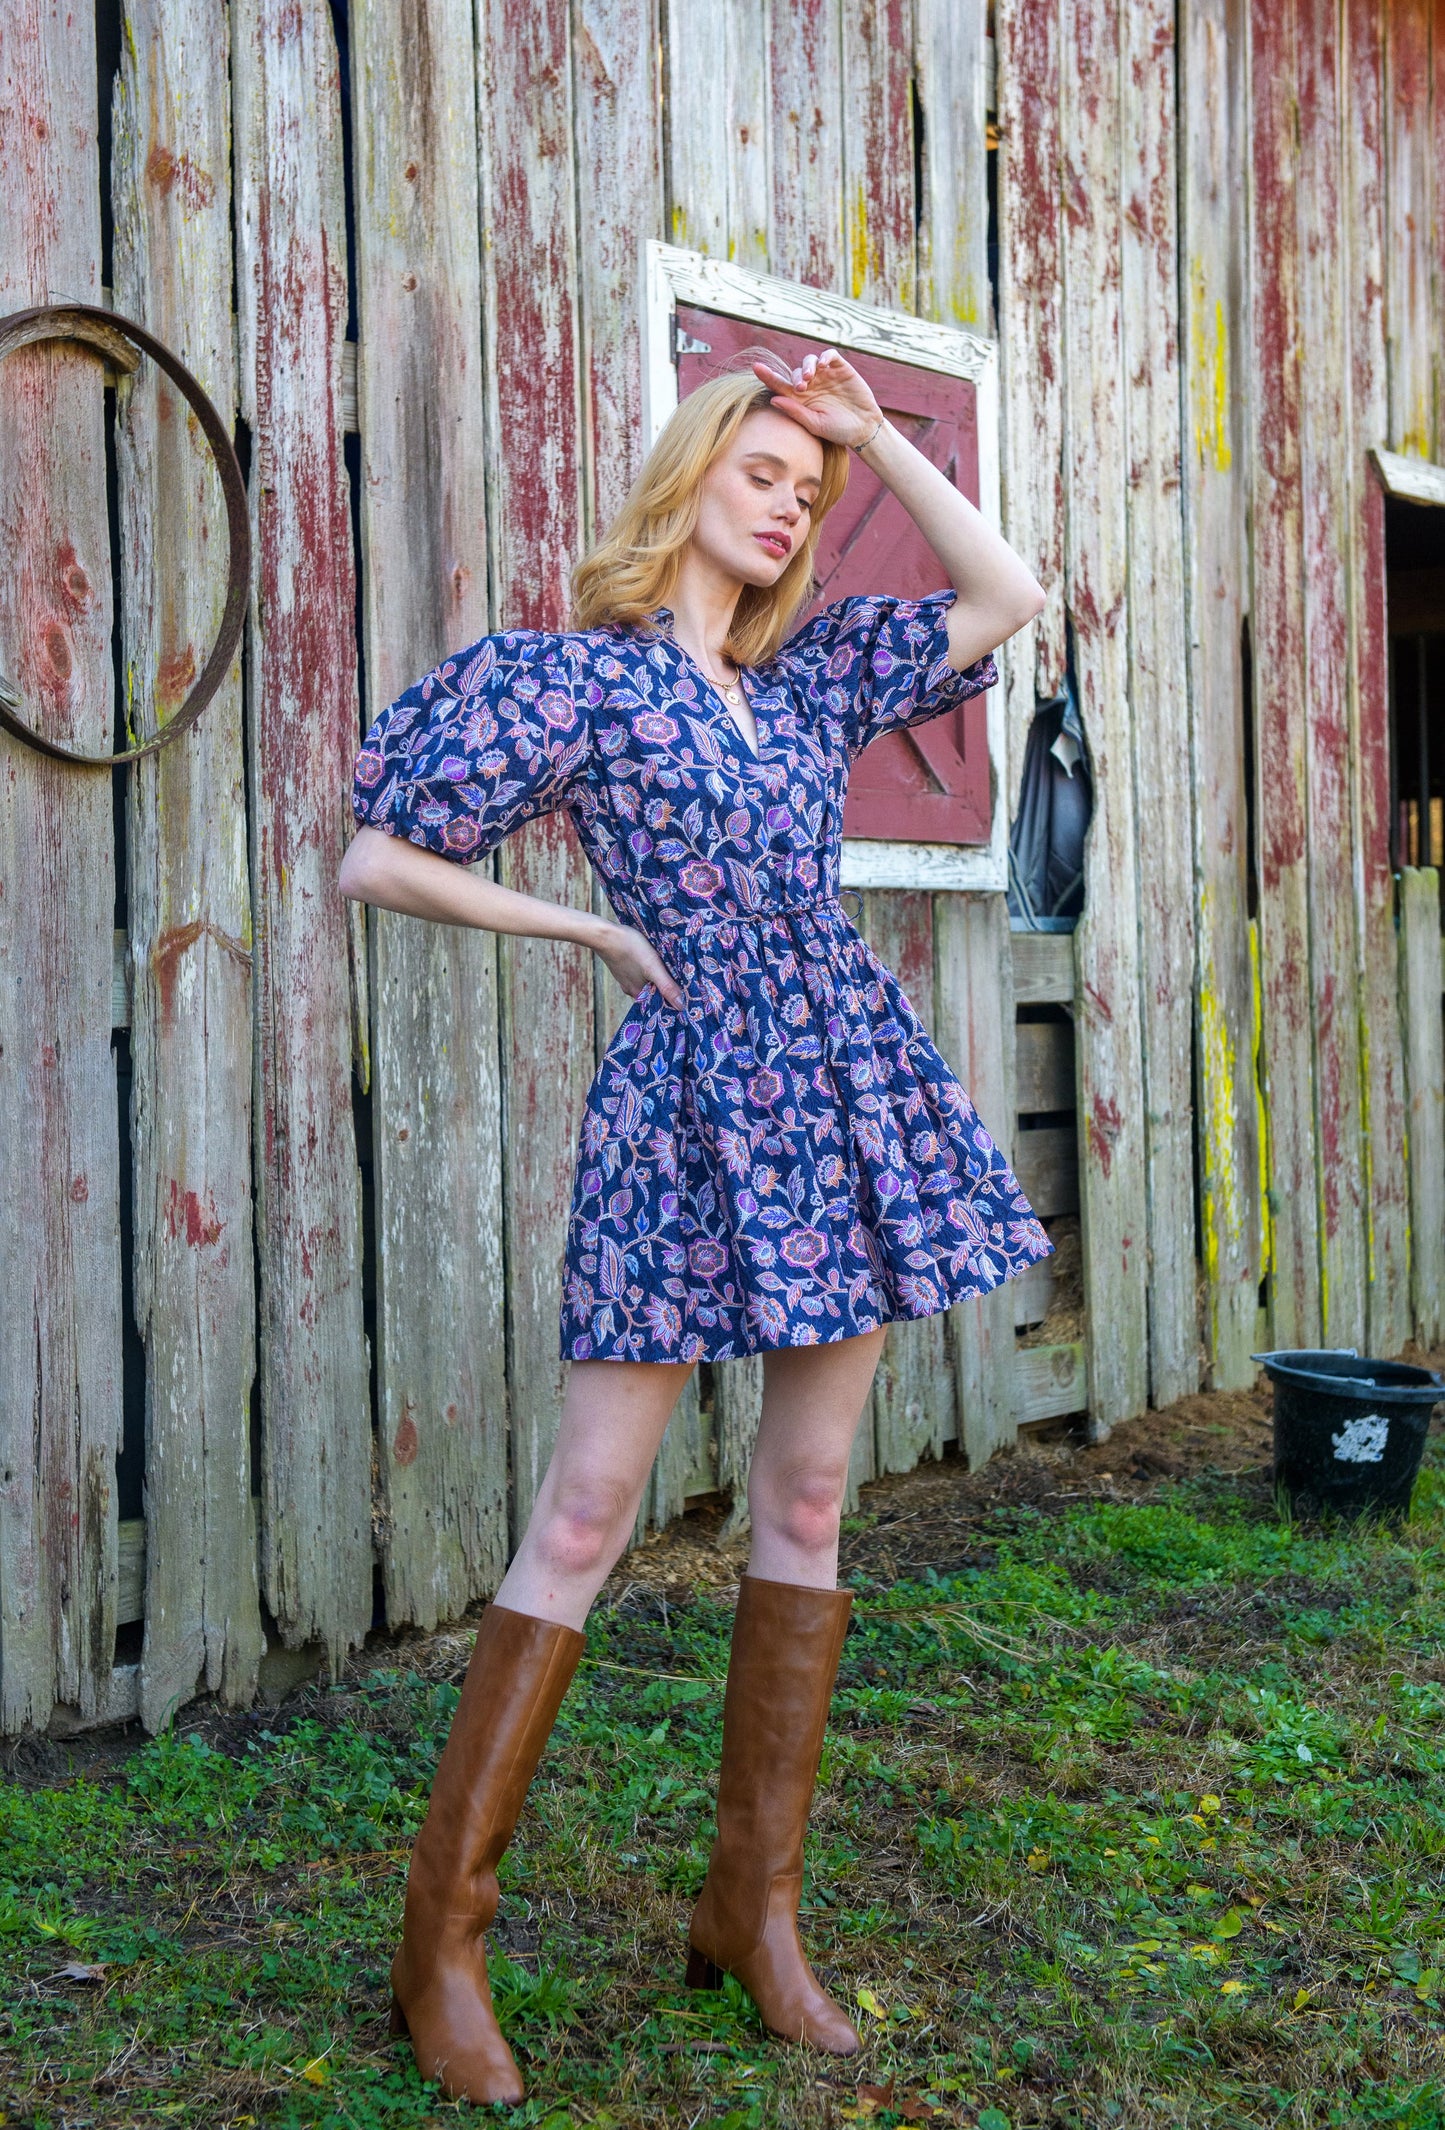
(774, 1157)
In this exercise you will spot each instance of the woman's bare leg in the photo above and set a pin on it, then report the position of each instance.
(613, 1418)
(813, 1397)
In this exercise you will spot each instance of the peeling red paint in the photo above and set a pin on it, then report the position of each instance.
(79, 1191)
(186, 1217)
(167, 171)
(175, 941)
(406, 1442)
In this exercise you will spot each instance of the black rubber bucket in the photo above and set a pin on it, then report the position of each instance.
(1349, 1432)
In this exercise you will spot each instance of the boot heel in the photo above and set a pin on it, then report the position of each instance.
(398, 2020)
(701, 1974)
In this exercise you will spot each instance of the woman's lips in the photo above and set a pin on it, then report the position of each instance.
(775, 543)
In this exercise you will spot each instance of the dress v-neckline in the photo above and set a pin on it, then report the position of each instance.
(753, 754)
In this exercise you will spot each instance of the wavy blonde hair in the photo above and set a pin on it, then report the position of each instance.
(633, 568)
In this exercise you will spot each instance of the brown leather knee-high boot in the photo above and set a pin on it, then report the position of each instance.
(785, 1649)
(520, 1669)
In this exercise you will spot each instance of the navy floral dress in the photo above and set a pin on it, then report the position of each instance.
(786, 1160)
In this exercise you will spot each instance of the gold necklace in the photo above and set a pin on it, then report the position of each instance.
(730, 689)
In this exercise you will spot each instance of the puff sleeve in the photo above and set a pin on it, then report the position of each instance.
(877, 663)
(494, 736)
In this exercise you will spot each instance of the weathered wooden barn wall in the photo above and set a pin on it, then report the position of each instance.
(399, 245)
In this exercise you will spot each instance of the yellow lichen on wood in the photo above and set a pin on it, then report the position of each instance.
(1210, 341)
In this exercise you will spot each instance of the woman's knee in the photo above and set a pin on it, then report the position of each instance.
(582, 1529)
(804, 1505)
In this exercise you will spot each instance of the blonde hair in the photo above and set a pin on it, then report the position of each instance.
(633, 568)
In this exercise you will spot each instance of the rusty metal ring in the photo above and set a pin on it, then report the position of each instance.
(117, 338)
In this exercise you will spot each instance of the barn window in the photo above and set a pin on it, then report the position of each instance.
(923, 808)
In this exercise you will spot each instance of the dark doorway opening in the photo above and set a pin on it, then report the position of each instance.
(1415, 574)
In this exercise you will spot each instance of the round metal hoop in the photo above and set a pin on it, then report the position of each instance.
(117, 339)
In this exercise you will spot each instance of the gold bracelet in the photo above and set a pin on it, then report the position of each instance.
(861, 448)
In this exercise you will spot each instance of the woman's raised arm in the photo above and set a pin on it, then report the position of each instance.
(997, 592)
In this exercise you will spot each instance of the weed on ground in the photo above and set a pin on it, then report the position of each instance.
(1132, 1813)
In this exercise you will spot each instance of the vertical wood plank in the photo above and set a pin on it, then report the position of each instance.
(949, 41)
(1211, 147)
(291, 303)
(529, 210)
(1276, 507)
(1106, 943)
(1158, 686)
(1420, 966)
(60, 1306)
(190, 906)
(1386, 1180)
(973, 1003)
(1325, 490)
(717, 126)
(806, 229)
(974, 1020)
(442, 1453)
(878, 204)
(619, 164)
(1409, 309)
(1030, 158)
(737, 1391)
(913, 1393)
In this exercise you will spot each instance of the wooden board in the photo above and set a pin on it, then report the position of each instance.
(1027, 40)
(1047, 1166)
(1044, 1065)
(717, 123)
(1215, 359)
(974, 1023)
(1326, 493)
(1043, 968)
(1106, 942)
(1386, 1179)
(1277, 593)
(1409, 267)
(1425, 1081)
(913, 1392)
(1050, 1382)
(303, 730)
(949, 72)
(441, 1380)
(60, 1299)
(529, 210)
(1158, 685)
(878, 152)
(805, 145)
(189, 885)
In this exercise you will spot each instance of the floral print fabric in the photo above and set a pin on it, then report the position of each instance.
(787, 1160)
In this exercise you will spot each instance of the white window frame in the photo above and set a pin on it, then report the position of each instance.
(673, 275)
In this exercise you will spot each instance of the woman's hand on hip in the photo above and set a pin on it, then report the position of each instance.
(636, 963)
(826, 395)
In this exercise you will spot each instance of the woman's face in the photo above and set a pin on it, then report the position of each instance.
(757, 498)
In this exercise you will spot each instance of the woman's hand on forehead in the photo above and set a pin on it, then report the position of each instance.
(825, 395)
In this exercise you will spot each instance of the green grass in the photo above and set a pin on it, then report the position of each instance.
(1141, 1820)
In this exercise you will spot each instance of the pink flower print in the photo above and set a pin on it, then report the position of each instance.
(707, 1259)
(461, 835)
(659, 730)
(664, 1319)
(769, 1317)
(370, 768)
(804, 1247)
(764, 1088)
(887, 1185)
(700, 880)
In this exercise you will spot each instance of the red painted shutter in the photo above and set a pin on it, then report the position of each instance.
(930, 785)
